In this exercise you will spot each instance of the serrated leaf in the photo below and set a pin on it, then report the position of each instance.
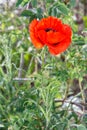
(81, 127)
(62, 7)
(18, 2)
(54, 11)
(27, 13)
(39, 13)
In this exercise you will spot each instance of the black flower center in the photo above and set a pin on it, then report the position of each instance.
(50, 29)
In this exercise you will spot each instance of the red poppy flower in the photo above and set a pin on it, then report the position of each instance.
(52, 33)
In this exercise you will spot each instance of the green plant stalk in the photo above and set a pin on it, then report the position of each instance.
(82, 92)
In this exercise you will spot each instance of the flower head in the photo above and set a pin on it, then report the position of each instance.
(52, 33)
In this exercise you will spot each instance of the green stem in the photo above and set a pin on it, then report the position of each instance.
(82, 92)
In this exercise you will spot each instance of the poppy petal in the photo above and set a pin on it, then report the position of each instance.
(42, 36)
(54, 37)
(55, 23)
(50, 22)
(67, 30)
(51, 32)
(61, 47)
(35, 40)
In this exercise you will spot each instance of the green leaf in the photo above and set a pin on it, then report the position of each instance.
(50, 1)
(63, 8)
(54, 11)
(18, 2)
(28, 13)
(34, 3)
(79, 43)
(81, 127)
(25, 2)
(39, 13)
(58, 8)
